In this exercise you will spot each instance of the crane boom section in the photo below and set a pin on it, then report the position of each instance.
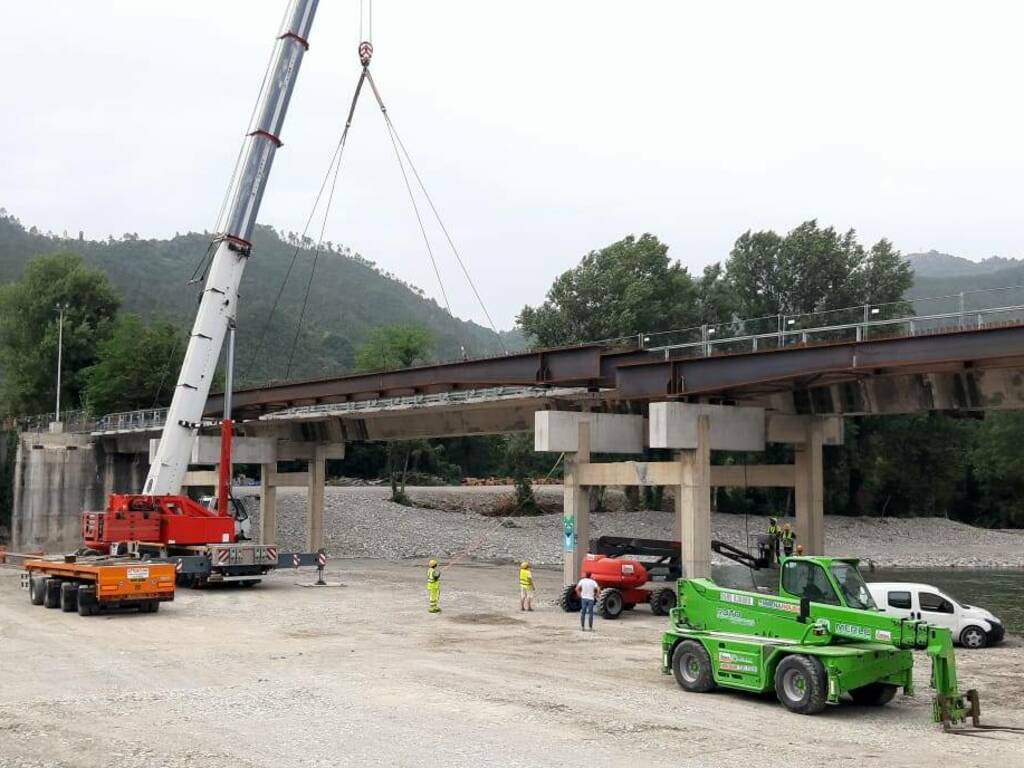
(218, 304)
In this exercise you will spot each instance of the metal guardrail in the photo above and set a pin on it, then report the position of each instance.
(131, 421)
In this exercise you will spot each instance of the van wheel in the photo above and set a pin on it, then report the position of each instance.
(874, 694)
(691, 666)
(800, 684)
(973, 637)
(69, 597)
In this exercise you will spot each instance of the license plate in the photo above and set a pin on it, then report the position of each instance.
(138, 574)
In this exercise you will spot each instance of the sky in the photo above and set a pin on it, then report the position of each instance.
(542, 130)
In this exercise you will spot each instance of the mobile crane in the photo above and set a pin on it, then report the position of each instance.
(821, 636)
(161, 522)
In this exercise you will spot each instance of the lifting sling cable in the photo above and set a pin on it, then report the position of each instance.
(260, 347)
(327, 211)
(398, 144)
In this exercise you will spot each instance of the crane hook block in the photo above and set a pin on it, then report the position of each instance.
(365, 53)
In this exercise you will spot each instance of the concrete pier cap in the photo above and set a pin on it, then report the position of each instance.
(732, 428)
(558, 431)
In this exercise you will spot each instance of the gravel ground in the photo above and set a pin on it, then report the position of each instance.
(361, 522)
(362, 675)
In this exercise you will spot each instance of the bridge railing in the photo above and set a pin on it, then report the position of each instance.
(131, 421)
(961, 311)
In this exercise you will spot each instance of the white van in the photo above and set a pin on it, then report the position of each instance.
(971, 627)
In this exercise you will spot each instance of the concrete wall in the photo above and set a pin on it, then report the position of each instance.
(56, 476)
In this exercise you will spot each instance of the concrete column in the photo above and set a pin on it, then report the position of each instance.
(109, 473)
(693, 504)
(315, 507)
(17, 499)
(809, 491)
(576, 509)
(268, 503)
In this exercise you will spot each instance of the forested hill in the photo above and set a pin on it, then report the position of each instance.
(940, 274)
(349, 296)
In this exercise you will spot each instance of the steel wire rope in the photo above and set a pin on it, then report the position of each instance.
(336, 165)
(260, 346)
(412, 196)
(444, 229)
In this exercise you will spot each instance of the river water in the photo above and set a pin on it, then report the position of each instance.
(998, 590)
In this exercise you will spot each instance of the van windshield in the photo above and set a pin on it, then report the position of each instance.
(855, 591)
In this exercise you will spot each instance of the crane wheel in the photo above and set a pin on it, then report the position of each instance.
(37, 590)
(801, 684)
(662, 601)
(874, 694)
(69, 597)
(691, 666)
(51, 599)
(568, 600)
(609, 603)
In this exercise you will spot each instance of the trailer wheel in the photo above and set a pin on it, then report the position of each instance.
(69, 597)
(800, 684)
(37, 589)
(52, 596)
(691, 666)
(568, 600)
(150, 606)
(609, 603)
(87, 605)
(874, 694)
(662, 601)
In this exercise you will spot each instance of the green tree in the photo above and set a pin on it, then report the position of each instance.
(394, 346)
(997, 466)
(136, 367)
(397, 346)
(626, 288)
(812, 269)
(29, 330)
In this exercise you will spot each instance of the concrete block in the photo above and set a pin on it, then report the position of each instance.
(788, 428)
(733, 428)
(558, 431)
(244, 450)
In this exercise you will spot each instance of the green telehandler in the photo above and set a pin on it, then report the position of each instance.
(821, 636)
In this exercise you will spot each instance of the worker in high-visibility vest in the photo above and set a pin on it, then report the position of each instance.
(525, 587)
(776, 534)
(433, 586)
(788, 538)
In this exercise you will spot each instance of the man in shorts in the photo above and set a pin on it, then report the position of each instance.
(525, 587)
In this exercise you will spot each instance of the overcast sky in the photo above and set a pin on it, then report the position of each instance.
(542, 129)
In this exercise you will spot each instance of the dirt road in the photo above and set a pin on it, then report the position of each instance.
(362, 675)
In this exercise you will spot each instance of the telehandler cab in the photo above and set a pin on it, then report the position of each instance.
(821, 636)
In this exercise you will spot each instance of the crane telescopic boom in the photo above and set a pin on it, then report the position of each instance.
(218, 305)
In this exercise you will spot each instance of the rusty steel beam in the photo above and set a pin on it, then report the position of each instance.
(570, 366)
(726, 374)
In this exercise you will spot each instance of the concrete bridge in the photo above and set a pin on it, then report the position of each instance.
(733, 387)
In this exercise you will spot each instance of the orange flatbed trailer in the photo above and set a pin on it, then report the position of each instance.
(90, 584)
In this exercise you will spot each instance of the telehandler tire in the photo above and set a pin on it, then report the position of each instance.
(801, 684)
(874, 694)
(609, 603)
(568, 600)
(662, 601)
(691, 666)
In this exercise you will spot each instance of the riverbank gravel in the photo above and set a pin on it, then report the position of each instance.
(448, 523)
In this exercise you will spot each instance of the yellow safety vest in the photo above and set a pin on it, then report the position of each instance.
(525, 578)
(788, 536)
(774, 530)
(433, 575)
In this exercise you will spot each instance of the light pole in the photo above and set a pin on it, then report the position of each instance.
(61, 308)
